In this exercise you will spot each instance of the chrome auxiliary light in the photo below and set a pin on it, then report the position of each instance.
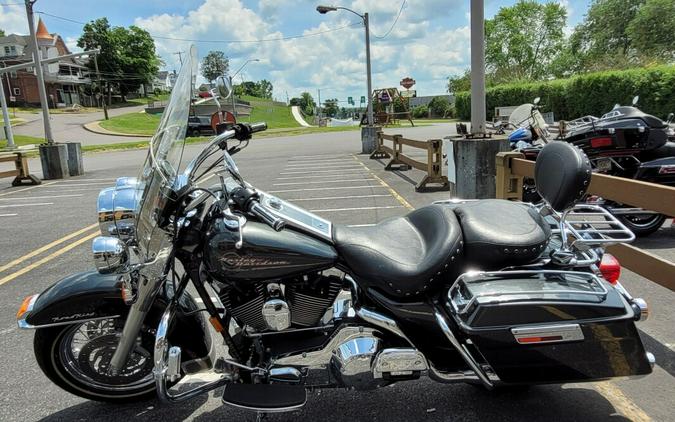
(110, 254)
(117, 208)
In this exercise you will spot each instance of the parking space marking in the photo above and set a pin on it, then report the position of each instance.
(28, 188)
(325, 166)
(73, 190)
(8, 215)
(326, 188)
(67, 185)
(622, 403)
(318, 176)
(26, 205)
(362, 225)
(46, 247)
(384, 184)
(356, 208)
(328, 198)
(88, 180)
(317, 171)
(42, 197)
(320, 181)
(48, 258)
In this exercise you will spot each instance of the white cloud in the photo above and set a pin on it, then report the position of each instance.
(333, 61)
(13, 19)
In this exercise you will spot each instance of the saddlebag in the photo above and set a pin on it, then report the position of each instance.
(547, 326)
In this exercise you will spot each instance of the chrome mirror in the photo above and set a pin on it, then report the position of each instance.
(110, 254)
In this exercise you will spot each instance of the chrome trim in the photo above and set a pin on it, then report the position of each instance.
(565, 332)
(117, 208)
(286, 374)
(381, 321)
(277, 314)
(398, 361)
(26, 326)
(274, 205)
(463, 351)
(352, 361)
(640, 308)
(160, 370)
(592, 278)
(651, 359)
(110, 254)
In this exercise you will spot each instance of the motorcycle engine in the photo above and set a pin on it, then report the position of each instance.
(275, 305)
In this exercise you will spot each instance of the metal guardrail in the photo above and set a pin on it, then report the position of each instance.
(433, 166)
(21, 172)
(512, 168)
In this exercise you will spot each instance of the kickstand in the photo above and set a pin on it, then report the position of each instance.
(260, 416)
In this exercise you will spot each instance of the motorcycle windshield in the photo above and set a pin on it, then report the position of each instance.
(161, 171)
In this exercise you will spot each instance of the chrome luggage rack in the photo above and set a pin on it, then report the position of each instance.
(587, 284)
(590, 226)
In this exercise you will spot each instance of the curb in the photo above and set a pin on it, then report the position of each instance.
(95, 127)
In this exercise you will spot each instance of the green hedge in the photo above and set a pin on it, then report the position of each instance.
(593, 93)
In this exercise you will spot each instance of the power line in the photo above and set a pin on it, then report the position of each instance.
(290, 37)
(400, 10)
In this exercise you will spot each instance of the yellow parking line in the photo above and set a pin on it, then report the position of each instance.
(384, 184)
(621, 402)
(45, 248)
(28, 188)
(48, 258)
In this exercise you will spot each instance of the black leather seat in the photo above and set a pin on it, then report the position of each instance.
(403, 256)
(499, 233)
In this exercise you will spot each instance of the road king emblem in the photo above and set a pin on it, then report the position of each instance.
(74, 316)
(234, 260)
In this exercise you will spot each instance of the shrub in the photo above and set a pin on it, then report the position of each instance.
(592, 93)
(420, 112)
(439, 106)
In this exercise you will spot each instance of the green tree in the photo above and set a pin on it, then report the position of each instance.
(127, 58)
(439, 106)
(264, 89)
(214, 65)
(307, 104)
(602, 40)
(2, 32)
(330, 107)
(523, 40)
(652, 30)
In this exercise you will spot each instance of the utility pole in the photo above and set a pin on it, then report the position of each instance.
(5, 117)
(366, 23)
(39, 72)
(180, 57)
(318, 111)
(100, 88)
(234, 103)
(477, 68)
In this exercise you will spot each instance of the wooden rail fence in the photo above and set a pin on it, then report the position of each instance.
(20, 173)
(512, 168)
(433, 166)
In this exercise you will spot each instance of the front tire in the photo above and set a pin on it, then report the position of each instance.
(75, 357)
(643, 225)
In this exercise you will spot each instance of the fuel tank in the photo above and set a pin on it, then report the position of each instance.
(265, 254)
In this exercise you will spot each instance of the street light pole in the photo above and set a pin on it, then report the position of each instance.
(234, 104)
(370, 81)
(38, 70)
(368, 133)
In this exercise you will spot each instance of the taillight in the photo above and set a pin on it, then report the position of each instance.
(601, 142)
(667, 169)
(610, 268)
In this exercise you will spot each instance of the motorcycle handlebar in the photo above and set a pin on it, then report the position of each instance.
(259, 211)
(258, 127)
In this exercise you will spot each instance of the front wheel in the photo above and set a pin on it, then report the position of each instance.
(642, 224)
(76, 358)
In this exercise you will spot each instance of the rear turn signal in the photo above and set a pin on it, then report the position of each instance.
(610, 268)
(601, 142)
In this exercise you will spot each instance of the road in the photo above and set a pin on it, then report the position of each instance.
(67, 127)
(319, 172)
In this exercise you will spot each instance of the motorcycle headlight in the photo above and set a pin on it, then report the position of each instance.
(110, 254)
(117, 209)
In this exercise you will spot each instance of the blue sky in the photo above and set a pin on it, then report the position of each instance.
(429, 42)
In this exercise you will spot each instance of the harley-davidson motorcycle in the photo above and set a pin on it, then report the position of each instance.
(270, 300)
(625, 142)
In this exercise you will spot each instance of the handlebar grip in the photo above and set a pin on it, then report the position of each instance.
(258, 127)
(259, 211)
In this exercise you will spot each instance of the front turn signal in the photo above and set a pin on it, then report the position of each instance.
(26, 306)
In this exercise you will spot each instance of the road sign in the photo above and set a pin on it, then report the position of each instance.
(410, 93)
(384, 97)
(350, 100)
(407, 82)
(363, 99)
(12, 98)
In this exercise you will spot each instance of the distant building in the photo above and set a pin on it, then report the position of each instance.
(64, 86)
(425, 100)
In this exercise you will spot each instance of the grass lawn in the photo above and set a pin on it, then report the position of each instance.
(20, 140)
(276, 116)
(132, 123)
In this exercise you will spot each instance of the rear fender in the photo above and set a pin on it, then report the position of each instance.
(90, 295)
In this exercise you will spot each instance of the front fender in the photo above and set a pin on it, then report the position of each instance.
(90, 295)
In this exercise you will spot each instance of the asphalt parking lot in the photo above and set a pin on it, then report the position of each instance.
(46, 232)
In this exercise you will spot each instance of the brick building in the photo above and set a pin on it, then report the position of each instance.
(65, 86)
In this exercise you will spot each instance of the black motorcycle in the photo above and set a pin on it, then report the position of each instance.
(625, 142)
(447, 292)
